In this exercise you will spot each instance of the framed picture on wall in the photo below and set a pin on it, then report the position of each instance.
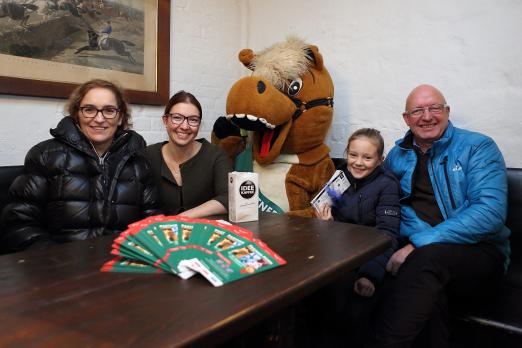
(49, 47)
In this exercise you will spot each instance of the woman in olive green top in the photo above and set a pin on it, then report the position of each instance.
(190, 173)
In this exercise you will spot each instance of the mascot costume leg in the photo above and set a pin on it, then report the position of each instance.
(287, 105)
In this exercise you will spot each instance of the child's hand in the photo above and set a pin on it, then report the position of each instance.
(325, 212)
(364, 287)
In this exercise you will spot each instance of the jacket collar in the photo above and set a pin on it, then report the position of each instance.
(68, 131)
(406, 143)
(361, 182)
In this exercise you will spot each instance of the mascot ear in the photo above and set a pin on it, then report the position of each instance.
(246, 56)
(316, 57)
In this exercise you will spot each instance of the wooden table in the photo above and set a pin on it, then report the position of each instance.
(58, 297)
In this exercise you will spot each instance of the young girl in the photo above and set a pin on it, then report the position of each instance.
(340, 312)
(372, 200)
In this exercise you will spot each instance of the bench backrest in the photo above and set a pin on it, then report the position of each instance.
(7, 175)
(514, 222)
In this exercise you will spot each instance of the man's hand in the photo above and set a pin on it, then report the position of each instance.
(398, 258)
(325, 212)
(364, 287)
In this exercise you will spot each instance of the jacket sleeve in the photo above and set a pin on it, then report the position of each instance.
(149, 196)
(388, 216)
(221, 166)
(23, 218)
(486, 193)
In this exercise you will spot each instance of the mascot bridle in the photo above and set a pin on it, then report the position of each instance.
(303, 106)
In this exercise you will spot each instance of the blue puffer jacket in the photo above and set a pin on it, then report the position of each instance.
(372, 201)
(468, 175)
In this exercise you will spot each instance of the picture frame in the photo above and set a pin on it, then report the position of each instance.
(26, 76)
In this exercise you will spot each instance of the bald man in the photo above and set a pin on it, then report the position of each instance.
(453, 209)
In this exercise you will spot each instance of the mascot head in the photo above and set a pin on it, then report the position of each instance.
(287, 101)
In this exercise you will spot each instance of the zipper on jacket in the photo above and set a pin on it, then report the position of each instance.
(446, 175)
(438, 188)
(413, 174)
(101, 159)
(359, 208)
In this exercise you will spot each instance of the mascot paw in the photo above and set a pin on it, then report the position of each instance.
(227, 136)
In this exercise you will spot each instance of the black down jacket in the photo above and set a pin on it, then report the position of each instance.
(68, 193)
(372, 201)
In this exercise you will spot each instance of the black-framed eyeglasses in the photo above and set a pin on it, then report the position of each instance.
(90, 111)
(435, 109)
(178, 119)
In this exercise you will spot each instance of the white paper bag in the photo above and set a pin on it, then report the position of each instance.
(243, 196)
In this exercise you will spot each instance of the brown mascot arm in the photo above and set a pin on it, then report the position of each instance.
(303, 183)
(232, 145)
(227, 136)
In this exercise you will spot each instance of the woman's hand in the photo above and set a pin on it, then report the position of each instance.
(325, 212)
(364, 287)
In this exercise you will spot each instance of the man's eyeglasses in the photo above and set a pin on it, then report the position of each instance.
(178, 119)
(92, 112)
(435, 109)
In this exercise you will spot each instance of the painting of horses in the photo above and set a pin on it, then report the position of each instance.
(101, 34)
(48, 47)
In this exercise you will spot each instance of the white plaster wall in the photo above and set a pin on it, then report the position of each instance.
(205, 39)
(378, 50)
(375, 50)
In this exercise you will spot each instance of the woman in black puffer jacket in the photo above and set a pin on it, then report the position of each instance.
(89, 180)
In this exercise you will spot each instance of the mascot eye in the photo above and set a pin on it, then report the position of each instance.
(295, 87)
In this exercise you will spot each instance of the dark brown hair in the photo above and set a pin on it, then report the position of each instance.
(183, 97)
(73, 105)
(373, 134)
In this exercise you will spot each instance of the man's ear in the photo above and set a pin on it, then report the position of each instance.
(406, 118)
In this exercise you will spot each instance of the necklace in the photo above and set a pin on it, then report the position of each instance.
(173, 164)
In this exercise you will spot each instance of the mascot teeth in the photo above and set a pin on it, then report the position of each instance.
(253, 119)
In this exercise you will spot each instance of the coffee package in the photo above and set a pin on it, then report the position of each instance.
(243, 196)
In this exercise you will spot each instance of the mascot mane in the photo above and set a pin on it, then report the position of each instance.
(282, 62)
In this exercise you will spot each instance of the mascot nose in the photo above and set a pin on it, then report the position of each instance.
(261, 87)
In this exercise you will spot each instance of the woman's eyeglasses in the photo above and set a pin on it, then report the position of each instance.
(178, 119)
(92, 112)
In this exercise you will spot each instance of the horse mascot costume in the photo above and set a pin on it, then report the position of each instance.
(287, 104)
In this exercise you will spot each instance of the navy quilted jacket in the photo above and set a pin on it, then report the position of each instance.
(372, 201)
